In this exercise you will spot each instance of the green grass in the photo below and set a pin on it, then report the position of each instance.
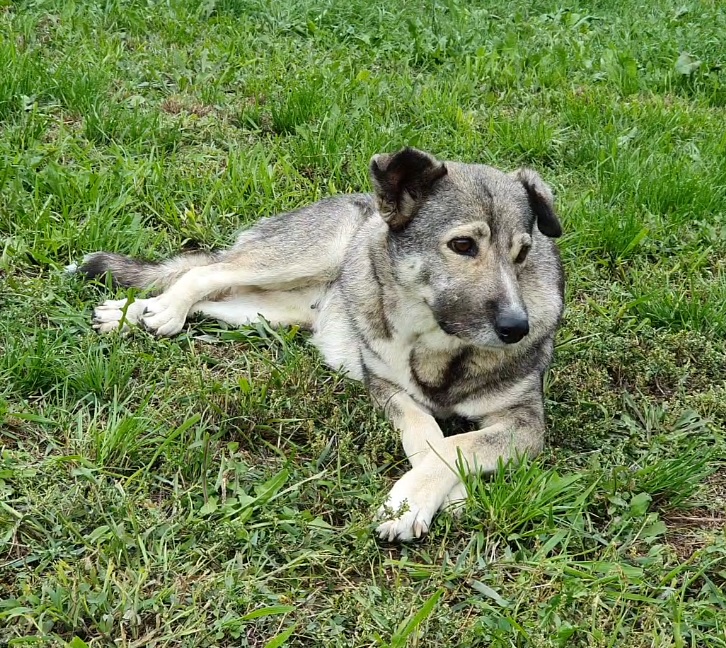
(218, 489)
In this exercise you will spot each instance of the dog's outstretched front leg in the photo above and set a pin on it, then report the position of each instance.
(420, 436)
(421, 492)
(419, 430)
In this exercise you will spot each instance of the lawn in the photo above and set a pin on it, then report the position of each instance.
(218, 488)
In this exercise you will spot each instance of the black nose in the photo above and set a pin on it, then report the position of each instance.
(511, 327)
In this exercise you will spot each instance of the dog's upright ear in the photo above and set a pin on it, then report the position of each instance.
(541, 202)
(402, 182)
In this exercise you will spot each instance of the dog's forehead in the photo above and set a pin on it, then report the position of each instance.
(487, 184)
(484, 192)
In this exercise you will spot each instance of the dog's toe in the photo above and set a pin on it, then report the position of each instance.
(403, 520)
(410, 507)
(163, 324)
(160, 317)
(109, 325)
(106, 319)
(420, 527)
(409, 526)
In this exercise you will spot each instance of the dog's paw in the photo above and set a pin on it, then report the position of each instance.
(455, 501)
(162, 317)
(410, 507)
(409, 526)
(117, 315)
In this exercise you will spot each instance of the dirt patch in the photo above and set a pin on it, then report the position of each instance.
(689, 533)
(176, 106)
(716, 488)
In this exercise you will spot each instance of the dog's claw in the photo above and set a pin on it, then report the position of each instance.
(404, 528)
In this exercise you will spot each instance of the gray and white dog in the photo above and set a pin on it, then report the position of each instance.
(442, 292)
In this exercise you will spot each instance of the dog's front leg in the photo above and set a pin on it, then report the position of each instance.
(419, 430)
(423, 490)
(420, 437)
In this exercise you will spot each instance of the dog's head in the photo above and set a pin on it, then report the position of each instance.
(468, 240)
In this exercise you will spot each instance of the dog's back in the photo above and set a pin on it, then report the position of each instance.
(311, 240)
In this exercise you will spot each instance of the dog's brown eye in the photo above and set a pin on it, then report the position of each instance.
(524, 250)
(463, 245)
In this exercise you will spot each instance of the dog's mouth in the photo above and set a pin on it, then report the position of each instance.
(446, 327)
(481, 340)
(476, 336)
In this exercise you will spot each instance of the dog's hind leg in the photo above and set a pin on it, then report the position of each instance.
(251, 280)
(165, 314)
(288, 252)
(118, 314)
(285, 252)
(279, 308)
(267, 258)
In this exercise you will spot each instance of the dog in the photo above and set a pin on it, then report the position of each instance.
(441, 291)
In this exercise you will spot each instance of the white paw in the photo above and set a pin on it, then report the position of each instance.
(163, 318)
(115, 315)
(408, 526)
(455, 501)
(410, 507)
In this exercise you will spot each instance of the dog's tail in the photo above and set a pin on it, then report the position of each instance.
(128, 272)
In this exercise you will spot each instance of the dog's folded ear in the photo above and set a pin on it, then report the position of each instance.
(402, 182)
(541, 202)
